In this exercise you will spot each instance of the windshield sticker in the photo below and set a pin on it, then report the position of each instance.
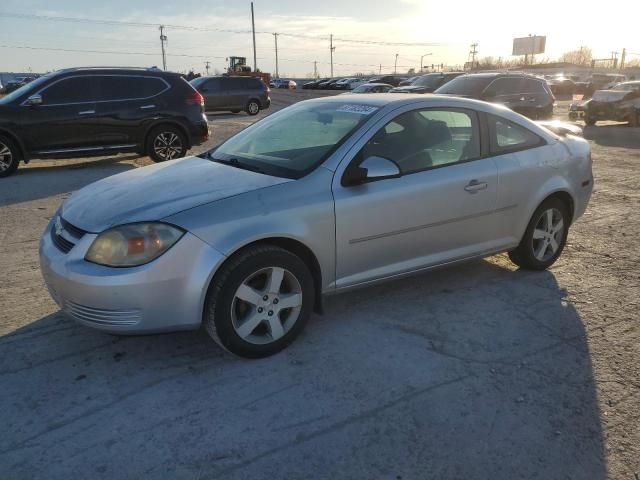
(360, 109)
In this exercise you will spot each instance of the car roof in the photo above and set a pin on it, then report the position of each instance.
(501, 74)
(125, 70)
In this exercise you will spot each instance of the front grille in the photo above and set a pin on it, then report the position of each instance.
(101, 316)
(64, 235)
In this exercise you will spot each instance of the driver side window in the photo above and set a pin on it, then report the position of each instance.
(424, 139)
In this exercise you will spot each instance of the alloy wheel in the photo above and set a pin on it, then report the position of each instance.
(167, 145)
(548, 234)
(266, 305)
(254, 108)
(6, 157)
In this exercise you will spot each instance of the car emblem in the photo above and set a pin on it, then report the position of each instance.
(58, 227)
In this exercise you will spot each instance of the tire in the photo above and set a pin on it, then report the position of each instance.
(166, 142)
(589, 120)
(9, 157)
(244, 326)
(539, 253)
(253, 107)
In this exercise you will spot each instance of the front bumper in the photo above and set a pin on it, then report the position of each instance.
(163, 295)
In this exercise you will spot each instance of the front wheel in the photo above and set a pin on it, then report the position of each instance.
(166, 143)
(545, 237)
(253, 107)
(259, 301)
(9, 158)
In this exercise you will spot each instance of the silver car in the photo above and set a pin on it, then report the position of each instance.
(323, 196)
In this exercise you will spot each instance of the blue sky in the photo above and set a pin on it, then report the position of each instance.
(447, 27)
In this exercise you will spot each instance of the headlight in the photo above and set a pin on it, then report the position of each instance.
(132, 245)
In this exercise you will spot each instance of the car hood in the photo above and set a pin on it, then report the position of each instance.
(609, 96)
(413, 89)
(157, 191)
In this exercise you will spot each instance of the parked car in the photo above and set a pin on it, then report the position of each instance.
(348, 83)
(620, 103)
(370, 88)
(327, 84)
(522, 93)
(283, 83)
(1, 87)
(16, 83)
(407, 81)
(321, 197)
(235, 94)
(388, 79)
(314, 84)
(427, 83)
(562, 86)
(100, 111)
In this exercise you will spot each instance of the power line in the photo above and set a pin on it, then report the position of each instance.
(108, 52)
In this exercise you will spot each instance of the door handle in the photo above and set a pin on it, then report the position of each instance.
(87, 112)
(474, 186)
(146, 107)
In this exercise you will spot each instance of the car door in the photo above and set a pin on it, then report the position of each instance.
(440, 209)
(66, 120)
(236, 92)
(523, 160)
(124, 104)
(212, 92)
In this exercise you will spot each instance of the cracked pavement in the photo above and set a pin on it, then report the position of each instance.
(476, 371)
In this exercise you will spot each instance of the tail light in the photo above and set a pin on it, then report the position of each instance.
(195, 99)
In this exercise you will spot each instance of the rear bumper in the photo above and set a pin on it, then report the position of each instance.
(266, 103)
(200, 131)
(163, 295)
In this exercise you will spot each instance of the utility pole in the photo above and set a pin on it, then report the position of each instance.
(623, 58)
(395, 65)
(473, 54)
(206, 65)
(331, 49)
(275, 36)
(315, 69)
(614, 59)
(253, 30)
(163, 38)
(380, 71)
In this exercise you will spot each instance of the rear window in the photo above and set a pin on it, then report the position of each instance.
(470, 86)
(506, 136)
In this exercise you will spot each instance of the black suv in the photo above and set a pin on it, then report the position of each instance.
(427, 83)
(250, 94)
(101, 111)
(528, 95)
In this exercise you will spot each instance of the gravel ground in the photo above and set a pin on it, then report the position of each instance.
(477, 371)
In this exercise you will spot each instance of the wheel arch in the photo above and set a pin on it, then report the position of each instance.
(13, 137)
(171, 123)
(292, 245)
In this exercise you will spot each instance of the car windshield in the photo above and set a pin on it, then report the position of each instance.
(470, 86)
(31, 86)
(196, 82)
(427, 81)
(362, 89)
(295, 140)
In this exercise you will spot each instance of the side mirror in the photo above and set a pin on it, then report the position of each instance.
(371, 169)
(34, 100)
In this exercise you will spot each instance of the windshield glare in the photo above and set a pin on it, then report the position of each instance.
(294, 141)
(426, 81)
(31, 86)
(464, 85)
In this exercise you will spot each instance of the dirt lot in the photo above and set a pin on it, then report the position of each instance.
(479, 371)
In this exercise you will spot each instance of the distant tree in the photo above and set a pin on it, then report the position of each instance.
(580, 56)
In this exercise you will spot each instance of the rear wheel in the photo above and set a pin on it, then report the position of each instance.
(259, 301)
(9, 157)
(545, 237)
(253, 107)
(166, 143)
(589, 120)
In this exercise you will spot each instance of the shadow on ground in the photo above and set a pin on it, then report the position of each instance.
(473, 372)
(42, 179)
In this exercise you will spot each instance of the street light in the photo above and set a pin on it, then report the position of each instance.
(425, 55)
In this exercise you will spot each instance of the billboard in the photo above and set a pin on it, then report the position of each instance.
(529, 45)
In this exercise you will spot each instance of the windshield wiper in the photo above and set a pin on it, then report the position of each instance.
(234, 162)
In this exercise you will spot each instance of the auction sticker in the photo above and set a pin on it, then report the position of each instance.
(360, 109)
